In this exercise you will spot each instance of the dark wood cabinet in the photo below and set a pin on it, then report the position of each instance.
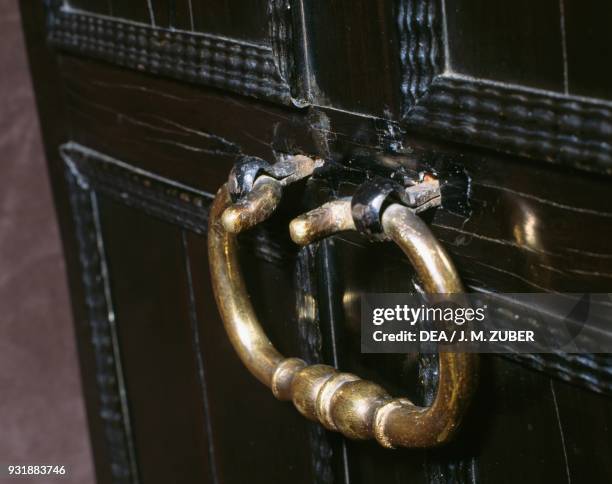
(146, 105)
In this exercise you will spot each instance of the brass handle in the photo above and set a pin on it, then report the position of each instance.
(357, 408)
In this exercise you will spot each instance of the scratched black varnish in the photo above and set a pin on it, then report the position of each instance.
(510, 105)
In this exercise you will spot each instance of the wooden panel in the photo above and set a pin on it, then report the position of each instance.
(533, 226)
(258, 65)
(175, 14)
(180, 15)
(526, 225)
(515, 236)
(584, 418)
(340, 36)
(161, 11)
(513, 411)
(345, 272)
(95, 6)
(255, 437)
(231, 18)
(350, 271)
(136, 10)
(155, 327)
(107, 113)
(589, 47)
(514, 420)
(512, 42)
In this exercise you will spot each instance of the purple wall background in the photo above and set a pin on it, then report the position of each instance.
(42, 415)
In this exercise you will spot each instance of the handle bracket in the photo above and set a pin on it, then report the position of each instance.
(357, 408)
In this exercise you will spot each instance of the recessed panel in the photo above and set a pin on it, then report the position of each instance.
(516, 42)
(353, 50)
(589, 47)
(156, 343)
(230, 18)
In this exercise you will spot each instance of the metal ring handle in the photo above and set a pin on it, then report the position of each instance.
(357, 408)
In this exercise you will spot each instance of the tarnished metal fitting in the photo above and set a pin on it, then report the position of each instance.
(365, 214)
(255, 188)
(340, 401)
(373, 196)
(243, 175)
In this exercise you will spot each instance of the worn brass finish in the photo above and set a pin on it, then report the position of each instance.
(255, 207)
(243, 329)
(262, 200)
(342, 401)
(326, 220)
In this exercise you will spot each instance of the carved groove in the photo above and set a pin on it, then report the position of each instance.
(241, 67)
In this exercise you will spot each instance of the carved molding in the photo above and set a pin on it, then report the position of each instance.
(421, 48)
(112, 407)
(89, 174)
(157, 196)
(513, 119)
(243, 67)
